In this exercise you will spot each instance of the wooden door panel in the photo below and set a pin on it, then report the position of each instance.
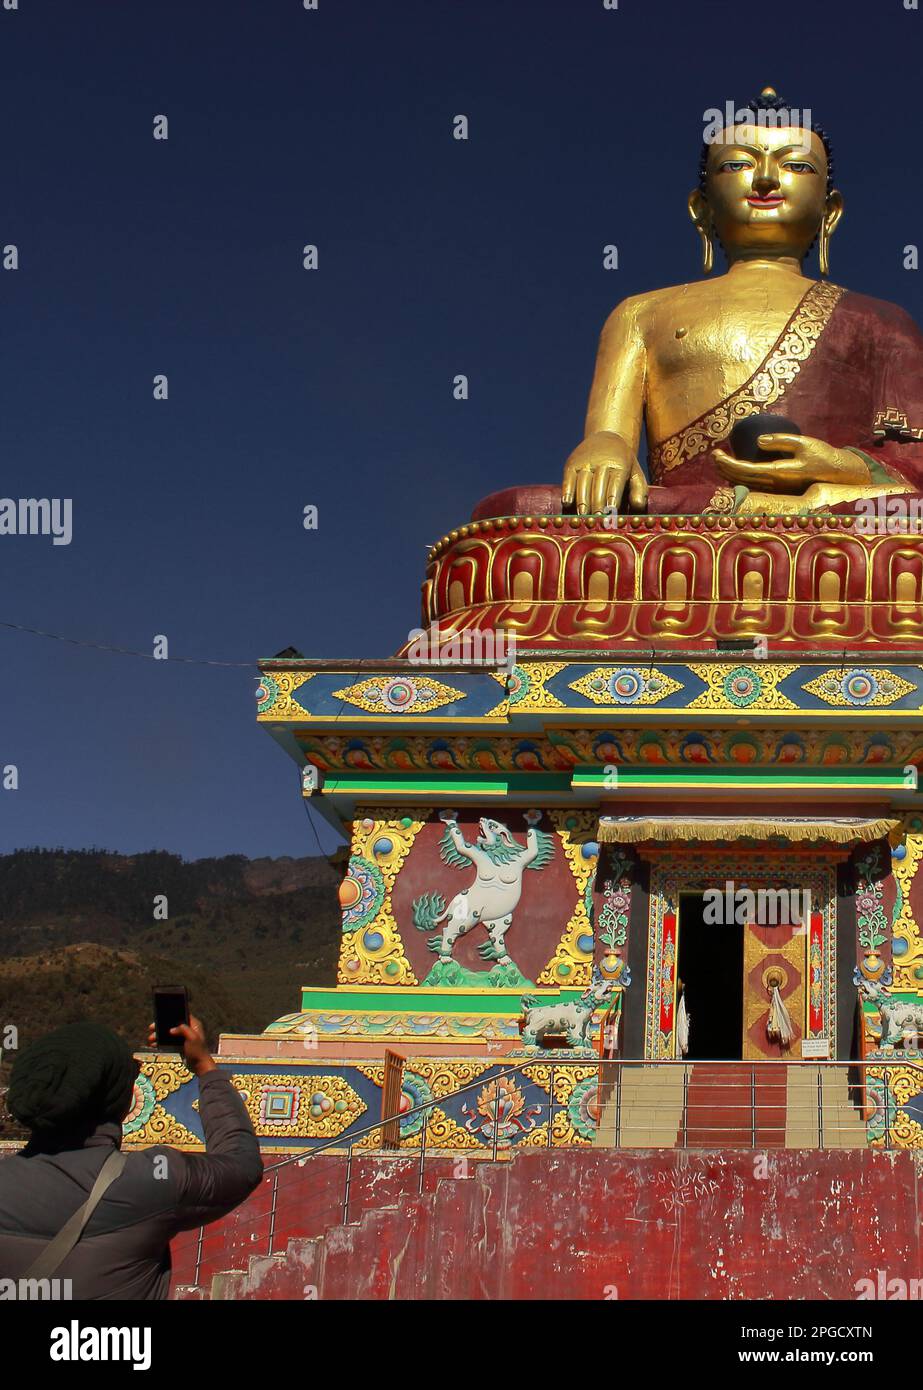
(769, 949)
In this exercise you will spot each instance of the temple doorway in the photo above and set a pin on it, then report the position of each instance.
(711, 966)
(734, 973)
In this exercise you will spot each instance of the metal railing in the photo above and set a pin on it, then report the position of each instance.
(754, 1105)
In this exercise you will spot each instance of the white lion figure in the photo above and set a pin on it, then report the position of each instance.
(499, 862)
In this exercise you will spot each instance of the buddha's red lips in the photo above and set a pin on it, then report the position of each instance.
(773, 200)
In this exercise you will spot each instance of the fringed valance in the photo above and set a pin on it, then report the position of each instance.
(838, 830)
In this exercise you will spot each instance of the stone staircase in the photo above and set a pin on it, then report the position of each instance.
(763, 1105)
(650, 1111)
(812, 1104)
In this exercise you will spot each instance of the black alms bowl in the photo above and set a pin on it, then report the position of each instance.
(746, 432)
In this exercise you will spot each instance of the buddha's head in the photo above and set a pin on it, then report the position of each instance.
(765, 188)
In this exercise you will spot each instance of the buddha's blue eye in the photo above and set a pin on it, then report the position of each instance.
(733, 166)
(799, 167)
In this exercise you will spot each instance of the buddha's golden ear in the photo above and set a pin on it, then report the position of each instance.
(832, 214)
(700, 213)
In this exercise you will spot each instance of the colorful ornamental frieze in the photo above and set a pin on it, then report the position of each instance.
(396, 1024)
(650, 690)
(298, 1107)
(562, 749)
(465, 1105)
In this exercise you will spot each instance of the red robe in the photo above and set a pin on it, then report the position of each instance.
(850, 369)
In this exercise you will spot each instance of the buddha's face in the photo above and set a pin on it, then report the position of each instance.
(766, 190)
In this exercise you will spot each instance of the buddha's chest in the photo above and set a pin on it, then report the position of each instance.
(726, 340)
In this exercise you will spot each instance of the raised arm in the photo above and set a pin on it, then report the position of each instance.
(458, 840)
(210, 1185)
(206, 1186)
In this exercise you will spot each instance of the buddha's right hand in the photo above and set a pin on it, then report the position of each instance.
(601, 472)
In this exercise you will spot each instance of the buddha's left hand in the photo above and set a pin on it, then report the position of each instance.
(811, 461)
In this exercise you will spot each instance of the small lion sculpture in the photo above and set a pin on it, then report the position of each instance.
(899, 1020)
(543, 1020)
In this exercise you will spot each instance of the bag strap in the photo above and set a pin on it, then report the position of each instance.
(60, 1246)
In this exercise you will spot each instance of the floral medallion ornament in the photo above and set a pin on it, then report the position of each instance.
(361, 893)
(142, 1105)
(415, 1093)
(267, 692)
(517, 685)
(860, 687)
(501, 1108)
(625, 685)
(583, 1107)
(742, 686)
(399, 695)
(402, 694)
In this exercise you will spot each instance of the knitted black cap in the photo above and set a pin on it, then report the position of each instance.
(77, 1077)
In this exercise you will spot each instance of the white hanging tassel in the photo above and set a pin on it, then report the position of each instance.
(779, 1027)
(682, 1025)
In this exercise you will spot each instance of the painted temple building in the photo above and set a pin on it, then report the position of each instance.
(642, 783)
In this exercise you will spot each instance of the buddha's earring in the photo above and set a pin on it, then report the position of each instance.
(708, 250)
(823, 249)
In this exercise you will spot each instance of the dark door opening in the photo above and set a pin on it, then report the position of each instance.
(711, 966)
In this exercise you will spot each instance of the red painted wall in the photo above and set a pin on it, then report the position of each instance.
(597, 1224)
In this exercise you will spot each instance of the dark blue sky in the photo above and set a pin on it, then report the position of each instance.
(334, 387)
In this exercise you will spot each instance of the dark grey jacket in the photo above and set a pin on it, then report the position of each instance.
(124, 1250)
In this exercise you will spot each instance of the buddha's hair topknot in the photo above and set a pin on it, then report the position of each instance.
(771, 102)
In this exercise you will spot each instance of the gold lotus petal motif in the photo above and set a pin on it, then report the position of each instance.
(874, 686)
(626, 685)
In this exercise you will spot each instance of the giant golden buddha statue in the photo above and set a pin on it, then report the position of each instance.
(691, 361)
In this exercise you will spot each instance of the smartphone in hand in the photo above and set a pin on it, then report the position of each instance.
(171, 1008)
